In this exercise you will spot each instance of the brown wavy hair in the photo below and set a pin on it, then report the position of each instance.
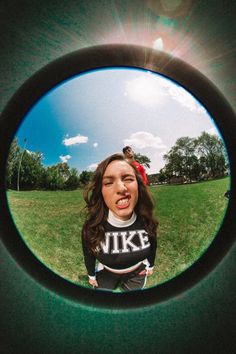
(97, 211)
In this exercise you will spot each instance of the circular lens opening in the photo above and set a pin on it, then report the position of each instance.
(70, 125)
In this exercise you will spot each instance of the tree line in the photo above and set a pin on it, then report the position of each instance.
(25, 170)
(195, 159)
(190, 159)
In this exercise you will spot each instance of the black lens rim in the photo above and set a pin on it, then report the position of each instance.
(107, 56)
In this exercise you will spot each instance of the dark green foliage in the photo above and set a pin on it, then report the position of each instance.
(212, 154)
(85, 177)
(73, 181)
(195, 159)
(143, 160)
(24, 168)
(31, 170)
(53, 179)
(26, 171)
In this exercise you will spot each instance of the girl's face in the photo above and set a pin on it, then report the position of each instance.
(120, 189)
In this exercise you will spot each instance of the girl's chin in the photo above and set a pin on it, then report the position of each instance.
(124, 215)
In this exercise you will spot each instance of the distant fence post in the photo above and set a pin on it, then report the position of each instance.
(18, 174)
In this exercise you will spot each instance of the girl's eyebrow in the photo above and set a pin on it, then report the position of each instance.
(124, 176)
(108, 177)
(128, 175)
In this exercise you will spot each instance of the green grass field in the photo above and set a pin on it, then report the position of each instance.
(189, 217)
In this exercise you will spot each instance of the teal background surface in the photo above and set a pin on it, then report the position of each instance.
(36, 320)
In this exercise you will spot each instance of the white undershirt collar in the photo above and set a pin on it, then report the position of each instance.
(114, 221)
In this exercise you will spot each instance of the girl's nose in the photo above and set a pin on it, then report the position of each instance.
(121, 187)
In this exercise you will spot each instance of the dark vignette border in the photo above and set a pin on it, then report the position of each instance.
(117, 56)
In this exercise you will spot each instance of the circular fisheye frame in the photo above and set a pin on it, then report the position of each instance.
(123, 56)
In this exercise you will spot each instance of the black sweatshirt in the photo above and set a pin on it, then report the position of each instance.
(123, 248)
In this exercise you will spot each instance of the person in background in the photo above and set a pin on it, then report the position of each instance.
(119, 234)
(227, 194)
(129, 155)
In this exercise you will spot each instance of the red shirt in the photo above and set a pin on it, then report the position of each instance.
(141, 170)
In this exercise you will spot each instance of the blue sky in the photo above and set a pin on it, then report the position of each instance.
(90, 116)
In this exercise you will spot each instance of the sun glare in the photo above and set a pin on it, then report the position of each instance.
(158, 44)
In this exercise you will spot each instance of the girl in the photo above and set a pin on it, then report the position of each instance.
(120, 231)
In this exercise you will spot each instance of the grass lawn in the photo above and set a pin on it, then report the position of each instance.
(189, 217)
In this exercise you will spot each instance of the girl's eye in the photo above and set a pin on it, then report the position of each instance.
(107, 183)
(129, 179)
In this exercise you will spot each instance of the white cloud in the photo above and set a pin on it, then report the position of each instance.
(78, 139)
(141, 140)
(157, 162)
(92, 167)
(95, 145)
(179, 94)
(153, 90)
(146, 90)
(65, 158)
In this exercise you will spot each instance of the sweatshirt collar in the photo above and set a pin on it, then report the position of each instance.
(114, 221)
